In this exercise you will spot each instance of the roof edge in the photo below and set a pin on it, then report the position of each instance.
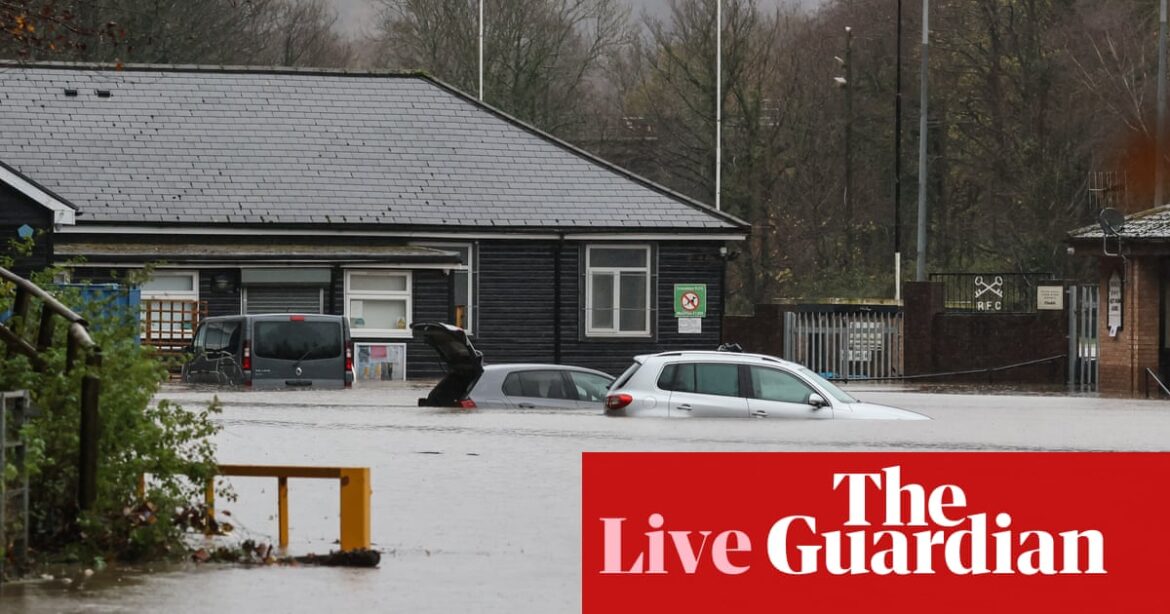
(216, 68)
(571, 148)
(734, 221)
(64, 212)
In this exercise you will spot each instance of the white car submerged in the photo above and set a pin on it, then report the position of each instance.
(734, 385)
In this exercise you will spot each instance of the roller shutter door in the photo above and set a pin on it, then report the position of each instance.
(283, 299)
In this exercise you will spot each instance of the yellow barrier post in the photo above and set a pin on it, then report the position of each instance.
(355, 508)
(209, 503)
(282, 509)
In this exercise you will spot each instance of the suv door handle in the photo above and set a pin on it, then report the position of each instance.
(759, 413)
(685, 407)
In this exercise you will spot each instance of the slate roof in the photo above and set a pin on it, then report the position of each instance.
(203, 145)
(1151, 224)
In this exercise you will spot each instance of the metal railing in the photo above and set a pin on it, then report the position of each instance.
(13, 333)
(1148, 375)
(990, 292)
(15, 409)
(354, 516)
(846, 345)
(1083, 344)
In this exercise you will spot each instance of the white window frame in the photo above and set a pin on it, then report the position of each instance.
(469, 266)
(174, 294)
(406, 295)
(614, 331)
(170, 295)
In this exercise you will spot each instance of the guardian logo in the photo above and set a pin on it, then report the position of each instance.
(700, 532)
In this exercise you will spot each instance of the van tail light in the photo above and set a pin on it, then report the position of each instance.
(618, 401)
(349, 356)
(247, 362)
(467, 404)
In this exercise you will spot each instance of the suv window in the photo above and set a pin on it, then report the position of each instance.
(297, 340)
(775, 385)
(536, 384)
(222, 337)
(590, 387)
(704, 378)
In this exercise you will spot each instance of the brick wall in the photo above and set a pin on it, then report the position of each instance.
(1125, 358)
(941, 342)
(761, 333)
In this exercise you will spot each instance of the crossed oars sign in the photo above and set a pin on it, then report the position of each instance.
(995, 287)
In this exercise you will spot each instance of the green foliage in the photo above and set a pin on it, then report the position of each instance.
(138, 436)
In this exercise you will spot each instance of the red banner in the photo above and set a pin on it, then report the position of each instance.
(875, 532)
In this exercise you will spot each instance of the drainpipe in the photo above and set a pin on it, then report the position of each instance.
(722, 292)
(557, 250)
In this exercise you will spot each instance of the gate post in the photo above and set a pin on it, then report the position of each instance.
(1074, 341)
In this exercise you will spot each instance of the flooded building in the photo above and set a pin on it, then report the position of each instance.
(1133, 256)
(386, 198)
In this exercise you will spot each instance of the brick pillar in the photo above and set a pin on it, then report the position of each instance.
(1125, 358)
(922, 300)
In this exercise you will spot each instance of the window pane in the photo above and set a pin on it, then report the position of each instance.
(617, 257)
(461, 288)
(377, 283)
(717, 379)
(633, 296)
(538, 384)
(678, 377)
(602, 306)
(163, 282)
(773, 385)
(590, 387)
(380, 314)
(297, 340)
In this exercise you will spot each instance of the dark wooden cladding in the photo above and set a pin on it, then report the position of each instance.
(516, 303)
(431, 304)
(220, 302)
(517, 300)
(17, 210)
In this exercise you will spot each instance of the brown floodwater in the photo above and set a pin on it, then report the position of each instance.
(480, 511)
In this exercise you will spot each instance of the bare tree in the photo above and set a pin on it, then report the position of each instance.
(541, 57)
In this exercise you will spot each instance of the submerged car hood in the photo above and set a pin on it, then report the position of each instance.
(872, 411)
(464, 363)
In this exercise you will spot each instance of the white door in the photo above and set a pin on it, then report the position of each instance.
(706, 390)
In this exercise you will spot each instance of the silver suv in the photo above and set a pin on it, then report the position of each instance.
(734, 385)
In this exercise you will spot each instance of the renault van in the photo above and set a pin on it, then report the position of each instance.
(286, 350)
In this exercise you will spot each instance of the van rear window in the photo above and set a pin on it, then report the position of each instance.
(297, 340)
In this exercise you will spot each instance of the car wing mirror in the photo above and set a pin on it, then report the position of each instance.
(817, 400)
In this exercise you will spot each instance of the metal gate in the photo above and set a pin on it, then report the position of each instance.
(845, 345)
(1084, 305)
(15, 408)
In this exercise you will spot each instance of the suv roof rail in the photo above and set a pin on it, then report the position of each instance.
(725, 354)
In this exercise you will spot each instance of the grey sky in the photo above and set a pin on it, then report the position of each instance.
(355, 15)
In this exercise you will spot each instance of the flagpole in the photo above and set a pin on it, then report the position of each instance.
(920, 274)
(481, 50)
(718, 103)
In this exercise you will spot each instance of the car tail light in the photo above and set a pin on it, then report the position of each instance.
(467, 404)
(618, 401)
(349, 356)
(247, 362)
(296, 318)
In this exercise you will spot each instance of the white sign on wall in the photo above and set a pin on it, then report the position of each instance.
(690, 326)
(1050, 298)
(1114, 304)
